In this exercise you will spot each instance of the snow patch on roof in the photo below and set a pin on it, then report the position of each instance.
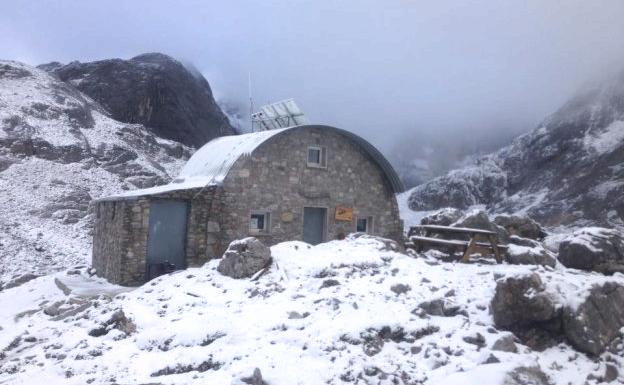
(212, 162)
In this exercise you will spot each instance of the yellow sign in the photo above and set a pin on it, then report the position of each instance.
(344, 213)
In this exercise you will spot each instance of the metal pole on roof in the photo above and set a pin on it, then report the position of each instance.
(250, 105)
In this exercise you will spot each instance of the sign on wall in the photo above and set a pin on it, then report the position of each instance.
(344, 213)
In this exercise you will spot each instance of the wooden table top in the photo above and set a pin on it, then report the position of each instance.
(450, 229)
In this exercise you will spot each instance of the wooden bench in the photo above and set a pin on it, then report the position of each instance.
(467, 247)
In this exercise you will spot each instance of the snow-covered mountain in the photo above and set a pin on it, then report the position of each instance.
(59, 149)
(568, 171)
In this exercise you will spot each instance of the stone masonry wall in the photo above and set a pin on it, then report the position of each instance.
(120, 245)
(277, 179)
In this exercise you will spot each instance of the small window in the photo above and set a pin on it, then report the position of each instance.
(364, 225)
(317, 156)
(259, 222)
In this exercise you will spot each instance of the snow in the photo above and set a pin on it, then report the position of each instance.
(607, 140)
(211, 163)
(189, 316)
(40, 230)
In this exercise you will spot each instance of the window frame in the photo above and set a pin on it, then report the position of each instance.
(267, 222)
(322, 156)
(370, 223)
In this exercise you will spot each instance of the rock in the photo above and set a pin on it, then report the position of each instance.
(597, 320)
(477, 339)
(386, 243)
(526, 375)
(492, 359)
(62, 287)
(19, 281)
(245, 257)
(173, 100)
(54, 309)
(329, 283)
(505, 344)
(440, 307)
(400, 288)
(593, 248)
(526, 242)
(611, 373)
(523, 255)
(255, 379)
(479, 219)
(520, 225)
(119, 321)
(297, 315)
(521, 301)
(444, 217)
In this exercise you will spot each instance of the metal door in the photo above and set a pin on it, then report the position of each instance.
(166, 239)
(314, 219)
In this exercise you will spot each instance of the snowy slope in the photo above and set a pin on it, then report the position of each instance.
(59, 150)
(328, 314)
(568, 171)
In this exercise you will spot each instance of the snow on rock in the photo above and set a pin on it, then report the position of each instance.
(59, 150)
(593, 248)
(199, 326)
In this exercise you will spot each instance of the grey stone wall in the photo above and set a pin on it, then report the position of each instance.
(277, 179)
(120, 240)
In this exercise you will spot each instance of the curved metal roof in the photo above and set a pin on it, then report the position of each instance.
(211, 163)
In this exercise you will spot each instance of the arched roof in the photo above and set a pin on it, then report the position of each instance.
(212, 162)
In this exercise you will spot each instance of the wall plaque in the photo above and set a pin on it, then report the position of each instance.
(344, 213)
(287, 216)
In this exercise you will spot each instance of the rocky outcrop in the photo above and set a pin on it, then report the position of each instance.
(520, 225)
(593, 248)
(244, 258)
(566, 171)
(59, 149)
(524, 255)
(443, 217)
(172, 100)
(598, 319)
(522, 302)
(526, 307)
(478, 219)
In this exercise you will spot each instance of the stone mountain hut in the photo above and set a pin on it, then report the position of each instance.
(311, 183)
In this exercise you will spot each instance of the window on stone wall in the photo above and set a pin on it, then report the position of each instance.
(364, 224)
(317, 156)
(259, 222)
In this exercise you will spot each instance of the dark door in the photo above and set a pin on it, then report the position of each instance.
(314, 224)
(166, 239)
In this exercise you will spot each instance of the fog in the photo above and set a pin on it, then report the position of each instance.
(457, 73)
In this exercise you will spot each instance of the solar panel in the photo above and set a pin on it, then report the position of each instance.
(281, 114)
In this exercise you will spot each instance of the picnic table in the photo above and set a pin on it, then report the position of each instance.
(469, 247)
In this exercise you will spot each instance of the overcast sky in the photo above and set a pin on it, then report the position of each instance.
(377, 68)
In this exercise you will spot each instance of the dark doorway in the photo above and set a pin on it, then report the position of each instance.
(314, 219)
(166, 239)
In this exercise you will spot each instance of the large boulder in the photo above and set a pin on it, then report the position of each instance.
(444, 217)
(593, 248)
(592, 325)
(521, 302)
(536, 316)
(244, 258)
(526, 255)
(520, 225)
(478, 219)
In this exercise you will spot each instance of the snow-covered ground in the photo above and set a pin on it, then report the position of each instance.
(340, 312)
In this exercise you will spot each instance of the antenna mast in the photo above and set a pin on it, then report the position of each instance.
(250, 105)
